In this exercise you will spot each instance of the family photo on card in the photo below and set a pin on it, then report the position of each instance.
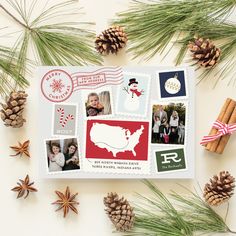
(168, 123)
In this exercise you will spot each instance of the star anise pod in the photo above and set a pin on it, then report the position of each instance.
(23, 148)
(24, 186)
(66, 201)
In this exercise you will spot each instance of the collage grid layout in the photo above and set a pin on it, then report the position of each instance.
(125, 128)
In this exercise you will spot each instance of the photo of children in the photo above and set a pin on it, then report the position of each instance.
(168, 123)
(62, 155)
(98, 103)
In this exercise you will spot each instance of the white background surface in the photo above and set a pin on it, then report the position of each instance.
(36, 216)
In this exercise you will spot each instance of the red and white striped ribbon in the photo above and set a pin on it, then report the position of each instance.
(69, 117)
(61, 110)
(223, 129)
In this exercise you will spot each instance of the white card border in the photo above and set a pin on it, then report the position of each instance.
(152, 175)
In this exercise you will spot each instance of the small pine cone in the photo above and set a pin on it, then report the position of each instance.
(205, 52)
(119, 211)
(111, 40)
(219, 189)
(11, 112)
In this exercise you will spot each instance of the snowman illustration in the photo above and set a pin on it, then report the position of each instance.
(133, 95)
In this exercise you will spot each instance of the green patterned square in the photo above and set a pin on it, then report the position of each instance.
(170, 160)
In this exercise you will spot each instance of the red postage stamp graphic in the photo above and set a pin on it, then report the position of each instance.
(117, 139)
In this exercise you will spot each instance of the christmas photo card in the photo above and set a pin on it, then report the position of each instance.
(116, 122)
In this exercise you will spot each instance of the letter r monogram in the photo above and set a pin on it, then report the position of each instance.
(170, 156)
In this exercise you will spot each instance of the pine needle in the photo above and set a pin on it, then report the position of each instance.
(9, 74)
(22, 58)
(180, 216)
(60, 44)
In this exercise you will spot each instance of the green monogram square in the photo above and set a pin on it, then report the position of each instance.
(170, 160)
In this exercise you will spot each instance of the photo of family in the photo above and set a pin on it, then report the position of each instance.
(62, 155)
(97, 103)
(168, 123)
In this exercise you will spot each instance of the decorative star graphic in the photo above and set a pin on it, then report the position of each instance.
(57, 85)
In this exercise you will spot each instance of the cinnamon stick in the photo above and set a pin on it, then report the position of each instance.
(224, 139)
(220, 118)
(225, 120)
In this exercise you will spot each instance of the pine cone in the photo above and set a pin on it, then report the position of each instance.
(219, 189)
(119, 211)
(111, 40)
(205, 52)
(12, 111)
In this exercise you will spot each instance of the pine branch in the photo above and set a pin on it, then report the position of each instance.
(151, 26)
(182, 216)
(58, 44)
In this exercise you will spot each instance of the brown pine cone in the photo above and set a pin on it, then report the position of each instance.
(12, 110)
(119, 211)
(111, 40)
(220, 188)
(205, 52)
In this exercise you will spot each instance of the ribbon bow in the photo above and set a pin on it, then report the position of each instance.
(223, 129)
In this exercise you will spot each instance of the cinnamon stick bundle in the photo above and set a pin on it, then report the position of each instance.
(224, 139)
(227, 114)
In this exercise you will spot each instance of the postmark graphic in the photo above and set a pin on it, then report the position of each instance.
(57, 85)
(97, 78)
(64, 119)
(117, 140)
(172, 84)
(170, 160)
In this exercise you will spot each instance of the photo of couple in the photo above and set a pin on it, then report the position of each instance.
(62, 155)
(168, 123)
